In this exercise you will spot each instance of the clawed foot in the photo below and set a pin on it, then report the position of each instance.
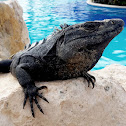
(90, 79)
(32, 92)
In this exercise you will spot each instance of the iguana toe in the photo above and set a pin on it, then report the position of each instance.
(25, 99)
(90, 79)
(42, 97)
(42, 87)
(39, 107)
(31, 105)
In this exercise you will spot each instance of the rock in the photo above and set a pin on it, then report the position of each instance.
(72, 102)
(13, 30)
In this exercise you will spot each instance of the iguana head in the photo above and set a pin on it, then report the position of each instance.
(88, 37)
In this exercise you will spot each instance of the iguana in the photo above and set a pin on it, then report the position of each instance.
(69, 52)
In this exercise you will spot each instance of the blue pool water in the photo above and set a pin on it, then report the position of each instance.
(41, 16)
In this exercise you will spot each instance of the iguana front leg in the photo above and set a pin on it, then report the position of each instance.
(28, 85)
(90, 79)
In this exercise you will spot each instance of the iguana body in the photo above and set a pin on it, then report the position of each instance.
(68, 53)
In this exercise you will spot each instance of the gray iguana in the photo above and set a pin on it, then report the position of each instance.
(68, 53)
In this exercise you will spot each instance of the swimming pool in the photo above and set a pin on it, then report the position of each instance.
(41, 16)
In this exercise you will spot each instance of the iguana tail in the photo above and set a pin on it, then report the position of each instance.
(5, 66)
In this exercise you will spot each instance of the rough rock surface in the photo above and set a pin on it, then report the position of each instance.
(72, 102)
(13, 30)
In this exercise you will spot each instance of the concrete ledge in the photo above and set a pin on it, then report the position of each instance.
(104, 5)
(72, 102)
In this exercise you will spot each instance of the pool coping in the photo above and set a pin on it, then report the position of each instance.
(90, 2)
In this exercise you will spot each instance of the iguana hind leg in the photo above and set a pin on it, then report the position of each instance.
(28, 85)
(90, 79)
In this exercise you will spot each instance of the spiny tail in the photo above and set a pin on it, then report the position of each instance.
(5, 66)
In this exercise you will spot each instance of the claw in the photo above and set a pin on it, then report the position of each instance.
(25, 99)
(87, 80)
(38, 105)
(42, 97)
(90, 78)
(31, 105)
(42, 87)
(92, 83)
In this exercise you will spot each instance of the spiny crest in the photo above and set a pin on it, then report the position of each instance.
(29, 46)
(62, 26)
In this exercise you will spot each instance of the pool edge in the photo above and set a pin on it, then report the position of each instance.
(104, 5)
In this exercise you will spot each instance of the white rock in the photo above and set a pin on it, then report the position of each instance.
(13, 31)
(72, 102)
